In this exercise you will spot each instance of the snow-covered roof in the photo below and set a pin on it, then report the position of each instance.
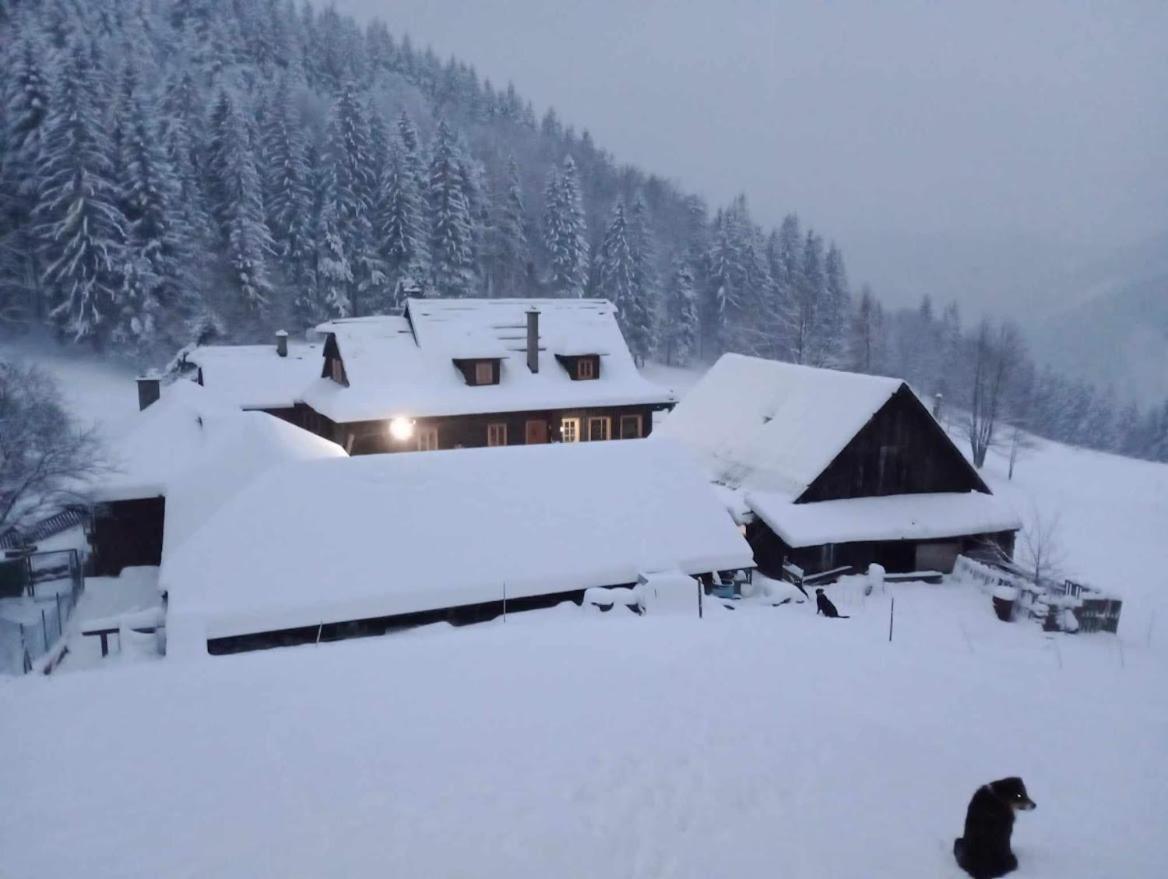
(379, 535)
(892, 517)
(255, 376)
(770, 426)
(404, 366)
(196, 450)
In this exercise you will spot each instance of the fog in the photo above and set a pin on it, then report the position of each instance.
(967, 150)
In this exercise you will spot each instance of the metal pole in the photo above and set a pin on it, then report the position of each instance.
(44, 630)
(891, 613)
(504, 601)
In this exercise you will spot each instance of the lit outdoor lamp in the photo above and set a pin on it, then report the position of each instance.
(401, 429)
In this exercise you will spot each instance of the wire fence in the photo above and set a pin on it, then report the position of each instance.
(33, 622)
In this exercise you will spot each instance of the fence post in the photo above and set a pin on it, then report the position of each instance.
(44, 630)
(891, 614)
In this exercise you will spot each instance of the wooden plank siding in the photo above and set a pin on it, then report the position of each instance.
(471, 431)
(901, 450)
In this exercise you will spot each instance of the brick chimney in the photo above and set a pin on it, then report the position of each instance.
(281, 343)
(149, 390)
(533, 340)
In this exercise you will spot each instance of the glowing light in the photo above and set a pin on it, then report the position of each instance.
(401, 429)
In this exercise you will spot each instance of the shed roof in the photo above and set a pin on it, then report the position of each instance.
(769, 426)
(891, 517)
(404, 366)
(382, 535)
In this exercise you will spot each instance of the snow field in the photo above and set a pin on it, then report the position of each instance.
(759, 742)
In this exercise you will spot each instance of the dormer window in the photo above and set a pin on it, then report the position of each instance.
(479, 371)
(580, 367)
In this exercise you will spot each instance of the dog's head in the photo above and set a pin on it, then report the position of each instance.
(1013, 792)
(819, 591)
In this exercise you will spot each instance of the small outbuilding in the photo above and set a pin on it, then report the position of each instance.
(827, 469)
(175, 463)
(325, 550)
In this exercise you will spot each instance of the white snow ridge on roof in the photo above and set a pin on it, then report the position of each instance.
(404, 366)
(255, 376)
(890, 517)
(771, 426)
(333, 541)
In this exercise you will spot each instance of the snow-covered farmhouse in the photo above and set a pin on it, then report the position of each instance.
(177, 462)
(449, 374)
(832, 469)
(371, 544)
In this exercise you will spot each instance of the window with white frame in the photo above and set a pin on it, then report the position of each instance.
(570, 430)
(427, 439)
(630, 427)
(598, 428)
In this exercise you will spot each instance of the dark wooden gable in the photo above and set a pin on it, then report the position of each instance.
(901, 450)
(469, 369)
(334, 365)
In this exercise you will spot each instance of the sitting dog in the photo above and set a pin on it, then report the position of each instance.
(984, 851)
(824, 606)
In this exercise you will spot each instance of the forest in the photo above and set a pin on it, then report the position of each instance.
(180, 171)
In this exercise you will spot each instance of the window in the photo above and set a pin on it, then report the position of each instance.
(597, 428)
(497, 434)
(337, 371)
(570, 430)
(630, 427)
(585, 368)
(484, 372)
(427, 439)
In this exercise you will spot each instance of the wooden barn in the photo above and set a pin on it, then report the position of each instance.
(372, 544)
(455, 373)
(182, 456)
(828, 470)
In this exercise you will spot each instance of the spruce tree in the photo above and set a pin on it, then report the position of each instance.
(288, 189)
(508, 250)
(677, 341)
(351, 187)
(809, 290)
(450, 221)
(617, 270)
(400, 226)
(565, 232)
(837, 306)
(237, 204)
(78, 222)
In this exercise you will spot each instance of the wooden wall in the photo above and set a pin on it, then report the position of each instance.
(125, 533)
(901, 450)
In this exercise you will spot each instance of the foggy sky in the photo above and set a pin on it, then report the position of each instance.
(949, 147)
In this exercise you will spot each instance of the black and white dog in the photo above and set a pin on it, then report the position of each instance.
(825, 606)
(984, 851)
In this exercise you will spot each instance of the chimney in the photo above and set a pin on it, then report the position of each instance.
(938, 399)
(533, 340)
(281, 343)
(149, 390)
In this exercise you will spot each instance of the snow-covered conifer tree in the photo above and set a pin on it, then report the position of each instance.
(450, 221)
(237, 203)
(677, 340)
(565, 232)
(79, 224)
(509, 252)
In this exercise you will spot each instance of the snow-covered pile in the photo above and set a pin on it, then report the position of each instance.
(331, 541)
(399, 367)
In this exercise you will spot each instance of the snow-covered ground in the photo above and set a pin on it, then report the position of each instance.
(763, 741)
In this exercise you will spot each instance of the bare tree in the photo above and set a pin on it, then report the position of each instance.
(46, 460)
(1020, 442)
(1041, 554)
(997, 356)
